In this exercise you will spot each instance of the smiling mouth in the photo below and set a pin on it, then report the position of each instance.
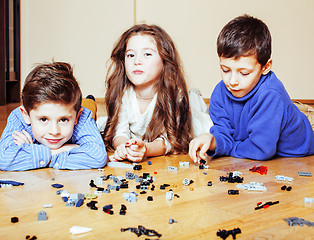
(53, 141)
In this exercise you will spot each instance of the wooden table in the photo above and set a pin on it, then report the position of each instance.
(200, 211)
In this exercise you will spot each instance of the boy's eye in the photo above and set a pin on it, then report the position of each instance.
(244, 73)
(225, 70)
(43, 119)
(147, 54)
(63, 120)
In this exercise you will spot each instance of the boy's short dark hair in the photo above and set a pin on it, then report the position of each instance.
(245, 36)
(51, 82)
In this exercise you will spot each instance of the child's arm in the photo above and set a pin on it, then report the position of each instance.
(264, 124)
(200, 145)
(91, 152)
(17, 151)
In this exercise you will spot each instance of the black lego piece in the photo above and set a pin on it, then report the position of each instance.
(92, 205)
(14, 219)
(141, 230)
(224, 234)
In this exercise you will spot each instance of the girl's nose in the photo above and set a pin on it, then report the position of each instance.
(138, 60)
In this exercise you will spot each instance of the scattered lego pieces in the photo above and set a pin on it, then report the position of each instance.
(11, 182)
(265, 205)
(79, 230)
(252, 186)
(28, 237)
(131, 197)
(42, 216)
(107, 209)
(57, 185)
(293, 221)
(92, 205)
(149, 162)
(284, 187)
(305, 174)
(224, 234)
(233, 192)
(308, 200)
(284, 178)
(14, 219)
(119, 165)
(210, 183)
(184, 164)
(171, 168)
(169, 195)
(49, 205)
(141, 230)
(231, 179)
(150, 198)
(163, 186)
(187, 182)
(261, 169)
(171, 221)
(122, 210)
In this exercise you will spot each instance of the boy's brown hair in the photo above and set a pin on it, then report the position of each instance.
(51, 82)
(245, 36)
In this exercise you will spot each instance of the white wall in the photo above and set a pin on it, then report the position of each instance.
(76, 31)
(83, 33)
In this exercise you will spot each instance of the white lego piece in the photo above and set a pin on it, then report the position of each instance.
(99, 181)
(252, 186)
(284, 178)
(184, 164)
(236, 173)
(169, 195)
(308, 200)
(65, 193)
(49, 205)
(171, 168)
(119, 165)
(79, 230)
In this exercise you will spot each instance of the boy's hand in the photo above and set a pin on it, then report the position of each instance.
(199, 146)
(64, 148)
(22, 137)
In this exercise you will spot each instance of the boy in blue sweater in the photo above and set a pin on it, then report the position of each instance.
(51, 129)
(252, 112)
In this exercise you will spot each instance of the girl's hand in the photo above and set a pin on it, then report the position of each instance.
(22, 137)
(119, 154)
(136, 150)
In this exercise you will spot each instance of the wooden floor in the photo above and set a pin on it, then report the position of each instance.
(200, 210)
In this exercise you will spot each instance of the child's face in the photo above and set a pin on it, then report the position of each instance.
(242, 75)
(52, 123)
(143, 63)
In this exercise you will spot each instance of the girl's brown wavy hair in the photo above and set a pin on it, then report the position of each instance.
(172, 115)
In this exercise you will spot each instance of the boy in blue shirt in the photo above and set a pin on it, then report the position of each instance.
(252, 113)
(51, 128)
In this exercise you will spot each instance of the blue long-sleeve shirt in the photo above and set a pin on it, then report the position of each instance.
(261, 125)
(91, 152)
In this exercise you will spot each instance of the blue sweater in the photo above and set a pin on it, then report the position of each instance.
(90, 154)
(261, 125)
